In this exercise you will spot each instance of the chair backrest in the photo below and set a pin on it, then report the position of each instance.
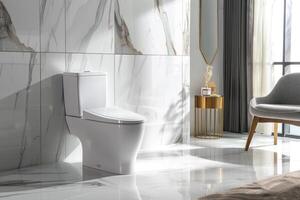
(287, 90)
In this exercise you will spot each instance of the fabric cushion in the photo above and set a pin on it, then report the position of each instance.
(278, 108)
(275, 111)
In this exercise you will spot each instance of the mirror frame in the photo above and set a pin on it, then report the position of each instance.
(208, 62)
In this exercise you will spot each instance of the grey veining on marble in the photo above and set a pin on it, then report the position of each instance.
(9, 40)
(26, 111)
(98, 20)
(19, 25)
(90, 26)
(165, 23)
(186, 6)
(158, 27)
(53, 28)
(20, 113)
(123, 41)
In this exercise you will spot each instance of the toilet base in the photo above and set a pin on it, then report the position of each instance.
(106, 146)
(92, 159)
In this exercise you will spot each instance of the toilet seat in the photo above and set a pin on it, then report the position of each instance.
(112, 115)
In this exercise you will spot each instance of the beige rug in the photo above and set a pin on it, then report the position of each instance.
(278, 187)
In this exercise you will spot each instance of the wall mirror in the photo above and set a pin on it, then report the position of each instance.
(209, 29)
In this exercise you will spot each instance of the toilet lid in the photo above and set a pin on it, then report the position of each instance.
(112, 115)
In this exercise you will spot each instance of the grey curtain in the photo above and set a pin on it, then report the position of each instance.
(238, 39)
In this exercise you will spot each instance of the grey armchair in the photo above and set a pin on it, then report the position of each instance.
(282, 105)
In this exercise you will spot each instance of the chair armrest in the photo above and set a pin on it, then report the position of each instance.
(260, 100)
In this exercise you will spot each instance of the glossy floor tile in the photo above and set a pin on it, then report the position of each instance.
(175, 172)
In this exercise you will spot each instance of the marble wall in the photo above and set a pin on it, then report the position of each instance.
(143, 45)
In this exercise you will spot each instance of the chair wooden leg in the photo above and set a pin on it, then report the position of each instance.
(275, 133)
(251, 132)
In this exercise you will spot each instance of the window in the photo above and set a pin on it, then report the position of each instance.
(286, 45)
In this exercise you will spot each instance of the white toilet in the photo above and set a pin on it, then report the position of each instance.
(110, 137)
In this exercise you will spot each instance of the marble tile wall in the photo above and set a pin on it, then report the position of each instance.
(158, 27)
(142, 45)
(152, 87)
(19, 109)
(90, 26)
(152, 66)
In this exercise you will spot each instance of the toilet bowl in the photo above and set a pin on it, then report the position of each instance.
(110, 136)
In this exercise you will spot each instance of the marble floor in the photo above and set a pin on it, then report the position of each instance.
(175, 172)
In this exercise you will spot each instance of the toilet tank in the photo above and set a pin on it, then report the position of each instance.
(84, 90)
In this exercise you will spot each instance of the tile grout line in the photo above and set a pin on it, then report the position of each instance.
(65, 29)
(41, 113)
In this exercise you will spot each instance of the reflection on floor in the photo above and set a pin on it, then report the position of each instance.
(175, 172)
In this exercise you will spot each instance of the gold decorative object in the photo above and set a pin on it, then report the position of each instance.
(212, 85)
(208, 75)
(209, 116)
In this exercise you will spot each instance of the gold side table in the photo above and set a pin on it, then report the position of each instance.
(209, 116)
